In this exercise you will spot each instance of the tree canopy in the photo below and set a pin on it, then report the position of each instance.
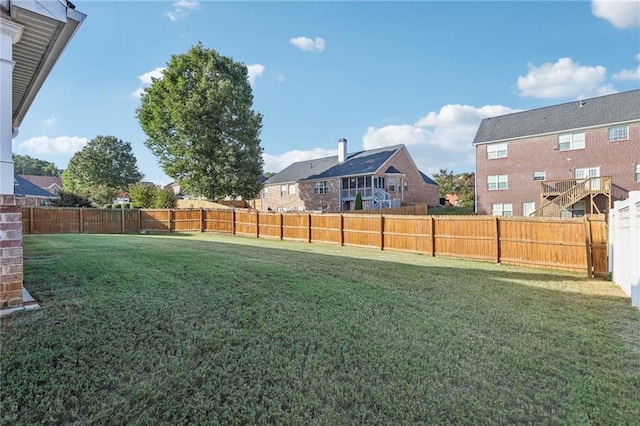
(461, 184)
(199, 122)
(27, 165)
(105, 160)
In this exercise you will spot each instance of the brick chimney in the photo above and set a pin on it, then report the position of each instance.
(342, 150)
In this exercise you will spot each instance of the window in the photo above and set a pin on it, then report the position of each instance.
(406, 186)
(618, 133)
(322, 187)
(392, 184)
(264, 192)
(638, 172)
(496, 150)
(292, 188)
(502, 209)
(495, 182)
(528, 208)
(539, 175)
(283, 190)
(570, 141)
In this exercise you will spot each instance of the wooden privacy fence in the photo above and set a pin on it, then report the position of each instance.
(578, 244)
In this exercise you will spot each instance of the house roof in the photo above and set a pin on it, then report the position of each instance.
(356, 163)
(28, 189)
(427, 179)
(616, 108)
(43, 181)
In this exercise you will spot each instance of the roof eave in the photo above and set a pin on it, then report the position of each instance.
(60, 24)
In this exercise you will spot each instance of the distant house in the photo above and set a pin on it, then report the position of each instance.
(564, 160)
(33, 195)
(384, 177)
(51, 184)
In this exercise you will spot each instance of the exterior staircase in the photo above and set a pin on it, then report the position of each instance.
(577, 191)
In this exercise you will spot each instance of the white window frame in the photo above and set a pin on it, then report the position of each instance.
(392, 184)
(571, 141)
(502, 209)
(264, 192)
(528, 208)
(618, 133)
(283, 190)
(497, 182)
(292, 188)
(321, 187)
(637, 172)
(497, 150)
(539, 175)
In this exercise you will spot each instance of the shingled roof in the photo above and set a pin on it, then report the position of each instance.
(603, 110)
(358, 163)
(28, 189)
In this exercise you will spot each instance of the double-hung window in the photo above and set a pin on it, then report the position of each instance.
(292, 188)
(618, 133)
(638, 172)
(570, 141)
(496, 150)
(322, 187)
(283, 190)
(502, 209)
(539, 175)
(495, 182)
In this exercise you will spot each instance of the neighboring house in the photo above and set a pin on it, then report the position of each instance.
(32, 194)
(51, 184)
(385, 177)
(565, 160)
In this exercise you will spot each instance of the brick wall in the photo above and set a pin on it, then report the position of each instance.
(615, 159)
(11, 260)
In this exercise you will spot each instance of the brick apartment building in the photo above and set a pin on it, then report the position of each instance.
(385, 177)
(564, 160)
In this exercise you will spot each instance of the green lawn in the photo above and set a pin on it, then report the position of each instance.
(207, 329)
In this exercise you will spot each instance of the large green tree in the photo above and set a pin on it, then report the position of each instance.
(446, 181)
(27, 165)
(199, 121)
(105, 160)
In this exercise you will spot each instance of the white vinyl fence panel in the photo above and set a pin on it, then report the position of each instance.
(624, 245)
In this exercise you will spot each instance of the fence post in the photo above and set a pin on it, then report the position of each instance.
(233, 222)
(497, 228)
(432, 231)
(170, 219)
(80, 220)
(202, 220)
(381, 232)
(257, 225)
(122, 220)
(31, 220)
(139, 220)
(587, 243)
(281, 230)
(342, 230)
(309, 227)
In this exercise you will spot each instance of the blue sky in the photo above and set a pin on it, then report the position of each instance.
(377, 73)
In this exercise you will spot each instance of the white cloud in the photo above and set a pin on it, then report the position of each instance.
(58, 145)
(187, 4)
(629, 74)
(275, 163)
(564, 78)
(308, 44)
(181, 8)
(438, 140)
(146, 79)
(620, 13)
(50, 121)
(254, 71)
(280, 78)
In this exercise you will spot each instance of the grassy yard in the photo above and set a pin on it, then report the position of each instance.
(206, 329)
